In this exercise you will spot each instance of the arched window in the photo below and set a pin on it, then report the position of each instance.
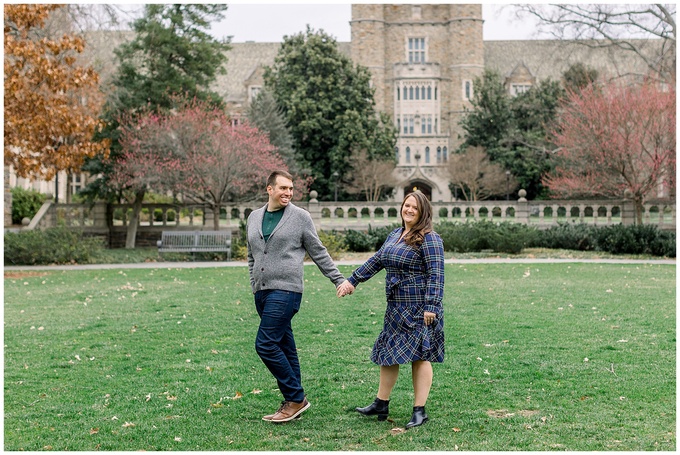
(427, 155)
(396, 153)
(429, 92)
(439, 155)
(408, 154)
(405, 94)
(446, 155)
(417, 93)
(398, 93)
(410, 93)
(422, 92)
(435, 93)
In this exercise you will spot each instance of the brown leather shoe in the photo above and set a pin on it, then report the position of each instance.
(289, 410)
(271, 416)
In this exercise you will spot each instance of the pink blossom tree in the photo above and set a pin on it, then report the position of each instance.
(145, 162)
(195, 151)
(218, 162)
(616, 138)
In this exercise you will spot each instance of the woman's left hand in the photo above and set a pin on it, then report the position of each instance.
(429, 317)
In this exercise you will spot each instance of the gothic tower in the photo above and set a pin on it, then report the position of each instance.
(423, 60)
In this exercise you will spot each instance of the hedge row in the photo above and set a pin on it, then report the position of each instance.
(61, 245)
(57, 245)
(512, 238)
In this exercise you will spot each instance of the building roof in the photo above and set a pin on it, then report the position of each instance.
(543, 58)
(551, 58)
(243, 61)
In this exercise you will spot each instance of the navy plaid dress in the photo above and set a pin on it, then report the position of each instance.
(414, 283)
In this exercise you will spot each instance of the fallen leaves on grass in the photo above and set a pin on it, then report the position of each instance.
(128, 425)
(500, 413)
(94, 430)
(503, 413)
(396, 431)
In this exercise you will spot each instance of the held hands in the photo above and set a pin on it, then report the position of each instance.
(345, 288)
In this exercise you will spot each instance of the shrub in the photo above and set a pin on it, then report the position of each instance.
(25, 203)
(158, 215)
(380, 234)
(239, 242)
(664, 245)
(511, 238)
(334, 243)
(57, 245)
(636, 239)
(505, 237)
(462, 237)
(567, 236)
(359, 241)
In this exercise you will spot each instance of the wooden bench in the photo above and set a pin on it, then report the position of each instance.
(195, 242)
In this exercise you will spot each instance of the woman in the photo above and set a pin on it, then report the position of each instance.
(413, 331)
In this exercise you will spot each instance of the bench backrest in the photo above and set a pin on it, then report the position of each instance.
(197, 240)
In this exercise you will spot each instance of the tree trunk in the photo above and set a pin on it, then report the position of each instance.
(216, 217)
(638, 211)
(131, 236)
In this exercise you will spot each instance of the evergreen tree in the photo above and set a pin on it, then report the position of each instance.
(328, 104)
(172, 56)
(515, 130)
(578, 77)
(490, 119)
(268, 117)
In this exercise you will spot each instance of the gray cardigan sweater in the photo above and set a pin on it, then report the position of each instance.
(278, 263)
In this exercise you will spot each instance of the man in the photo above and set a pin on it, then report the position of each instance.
(279, 235)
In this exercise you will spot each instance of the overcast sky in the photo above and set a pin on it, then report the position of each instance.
(269, 22)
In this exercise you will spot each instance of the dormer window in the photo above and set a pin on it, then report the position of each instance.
(253, 91)
(516, 89)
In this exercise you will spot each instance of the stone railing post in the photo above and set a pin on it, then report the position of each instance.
(208, 216)
(628, 209)
(99, 215)
(522, 210)
(314, 208)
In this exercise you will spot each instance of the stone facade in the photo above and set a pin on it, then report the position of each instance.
(421, 58)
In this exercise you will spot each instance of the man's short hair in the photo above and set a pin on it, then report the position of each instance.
(271, 181)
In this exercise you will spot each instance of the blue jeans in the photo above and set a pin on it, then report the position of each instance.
(275, 343)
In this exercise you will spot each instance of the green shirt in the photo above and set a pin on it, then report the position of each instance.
(269, 222)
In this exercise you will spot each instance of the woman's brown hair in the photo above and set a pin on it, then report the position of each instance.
(417, 233)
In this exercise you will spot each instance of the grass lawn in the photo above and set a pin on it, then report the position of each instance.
(539, 357)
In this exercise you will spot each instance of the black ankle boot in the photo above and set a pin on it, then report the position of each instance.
(379, 407)
(418, 418)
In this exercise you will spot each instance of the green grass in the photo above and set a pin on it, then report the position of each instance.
(150, 254)
(155, 359)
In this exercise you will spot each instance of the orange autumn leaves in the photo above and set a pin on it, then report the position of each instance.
(51, 103)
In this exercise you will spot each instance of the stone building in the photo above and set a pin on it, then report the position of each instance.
(423, 60)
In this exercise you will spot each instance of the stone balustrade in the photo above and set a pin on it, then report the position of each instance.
(357, 215)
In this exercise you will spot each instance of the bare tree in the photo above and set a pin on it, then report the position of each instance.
(634, 28)
(477, 177)
(371, 176)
